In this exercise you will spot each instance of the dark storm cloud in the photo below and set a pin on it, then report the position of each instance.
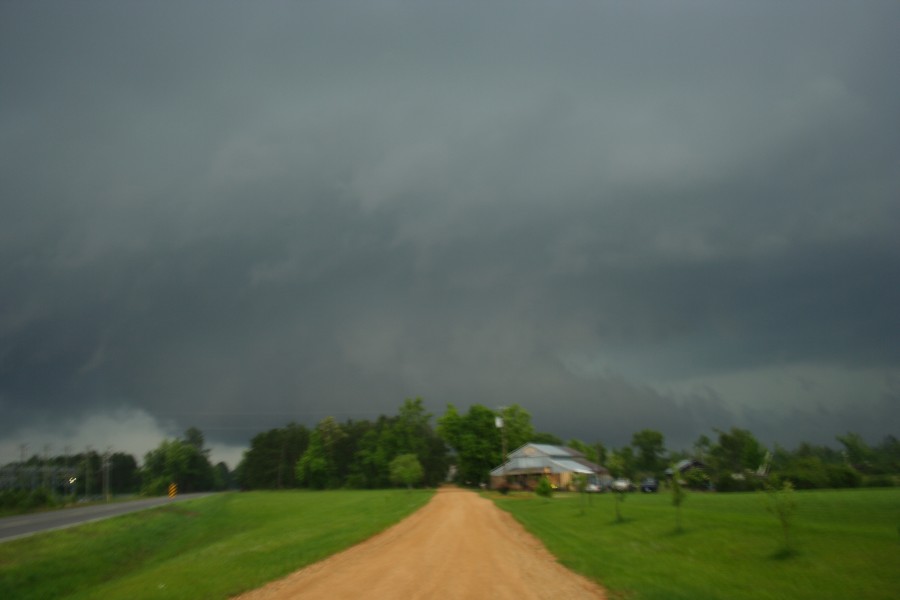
(619, 215)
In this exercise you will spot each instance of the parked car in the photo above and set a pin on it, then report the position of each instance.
(622, 485)
(649, 485)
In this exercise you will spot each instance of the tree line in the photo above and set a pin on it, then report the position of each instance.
(54, 481)
(414, 447)
(358, 454)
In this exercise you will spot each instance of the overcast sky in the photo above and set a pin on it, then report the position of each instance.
(617, 214)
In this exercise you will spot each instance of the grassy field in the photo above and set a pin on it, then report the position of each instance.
(846, 544)
(214, 547)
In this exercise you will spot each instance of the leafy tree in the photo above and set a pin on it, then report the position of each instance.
(737, 450)
(600, 453)
(621, 463)
(124, 477)
(782, 504)
(650, 449)
(546, 438)
(407, 470)
(194, 437)
(178, 462)
(273, 454)
(589, 452)
(413, 434)
(317, 467)
(702, 447)
(476, 440)
(859, 455)
(223, 479)
(887, 455)
(678, 496)
(517, 426)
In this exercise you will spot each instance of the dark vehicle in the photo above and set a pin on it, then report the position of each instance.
(649, 485)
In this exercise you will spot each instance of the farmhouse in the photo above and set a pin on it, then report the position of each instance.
(525, 466)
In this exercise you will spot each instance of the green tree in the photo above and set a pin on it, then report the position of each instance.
(517, 426)
(678, 496)
(412, 433)
(621, 463)
(737, 450)
(542, 437)
(702, 447)
(858, 453)
(269, 462)
(475, 439)
(317, 468)
(178, 462)
(589, 452)
(650, 449)
(406, 469)
(124, 476)
(782, 504)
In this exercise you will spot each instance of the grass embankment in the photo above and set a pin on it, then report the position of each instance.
(846, 544)
(213, 547)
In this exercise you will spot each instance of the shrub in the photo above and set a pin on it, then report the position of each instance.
(879, 481)
(843, 476)
(544, 488)
(696, 479)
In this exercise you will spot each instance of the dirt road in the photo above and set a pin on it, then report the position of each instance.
(457, 546)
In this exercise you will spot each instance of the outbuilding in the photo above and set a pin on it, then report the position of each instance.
(525, 466)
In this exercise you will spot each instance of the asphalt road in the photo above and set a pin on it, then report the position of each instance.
(24, 525)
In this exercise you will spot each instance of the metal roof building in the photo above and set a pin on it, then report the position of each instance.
(525, 465)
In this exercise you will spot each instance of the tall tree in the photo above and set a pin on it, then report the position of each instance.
(178, 462)
(737, 450)
(318, 467)
(269, 462)
(650, 448)
(476, 440)
(517, 427)
(858, 453)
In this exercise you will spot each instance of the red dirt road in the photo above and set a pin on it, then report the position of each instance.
(459, 545)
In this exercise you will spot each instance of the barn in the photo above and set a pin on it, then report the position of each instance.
(525, 466)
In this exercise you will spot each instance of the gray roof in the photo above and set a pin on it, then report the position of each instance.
(537, 458)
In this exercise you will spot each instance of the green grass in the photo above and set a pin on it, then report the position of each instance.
(213, 547)
(846, 544)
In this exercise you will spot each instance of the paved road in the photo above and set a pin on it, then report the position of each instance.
(25, 525)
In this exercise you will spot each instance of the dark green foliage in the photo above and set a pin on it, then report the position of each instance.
(546, 438)
(879, 481)
(650, 446)
(738, 482)
(696, 479)
(358, 454)
(737, 451)
(270, 462)
(181, 462)
(478, 442)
